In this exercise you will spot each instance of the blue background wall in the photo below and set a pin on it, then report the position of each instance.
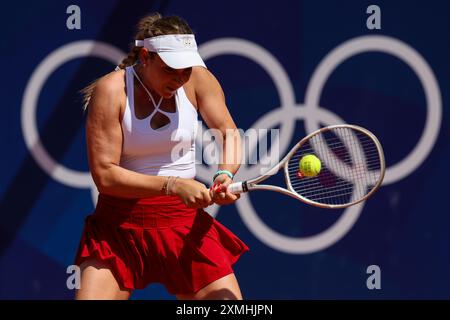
(403, 229)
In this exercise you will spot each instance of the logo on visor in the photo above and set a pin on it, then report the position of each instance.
(187, 42)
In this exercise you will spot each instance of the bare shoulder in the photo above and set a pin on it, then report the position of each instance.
(202, 76)
(112, 83)
(109, 93)
(204, 82)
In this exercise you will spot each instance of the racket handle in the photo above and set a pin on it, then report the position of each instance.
(238, 187)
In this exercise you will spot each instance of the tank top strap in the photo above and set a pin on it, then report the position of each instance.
(129, 83)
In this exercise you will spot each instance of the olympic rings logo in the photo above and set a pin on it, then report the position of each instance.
(285, 115)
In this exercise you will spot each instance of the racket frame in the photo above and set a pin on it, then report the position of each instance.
(253, 184)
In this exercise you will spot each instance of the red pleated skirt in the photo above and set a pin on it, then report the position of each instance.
(159, 239)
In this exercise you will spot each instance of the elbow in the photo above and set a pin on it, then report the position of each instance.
(102, 181)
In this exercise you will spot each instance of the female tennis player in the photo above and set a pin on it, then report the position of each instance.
(149, 224)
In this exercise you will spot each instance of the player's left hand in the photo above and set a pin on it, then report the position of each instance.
(219, 192)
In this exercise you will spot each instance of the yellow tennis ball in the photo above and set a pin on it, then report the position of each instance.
(310, 165)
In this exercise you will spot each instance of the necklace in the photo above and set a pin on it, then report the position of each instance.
(149, 94)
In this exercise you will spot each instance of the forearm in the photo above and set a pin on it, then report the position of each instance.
(231, 151)
(118, 181)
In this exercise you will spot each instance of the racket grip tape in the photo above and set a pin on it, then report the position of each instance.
(238, 187)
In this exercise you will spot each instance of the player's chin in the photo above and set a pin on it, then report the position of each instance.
(168, 95)
(169, 92)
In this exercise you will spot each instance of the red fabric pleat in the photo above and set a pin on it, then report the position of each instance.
(159, 239)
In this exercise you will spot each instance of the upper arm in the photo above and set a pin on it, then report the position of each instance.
(103, 129)
(211, 101)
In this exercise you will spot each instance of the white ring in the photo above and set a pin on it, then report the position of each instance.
(314, 113)
(417, 63)
(37, 80)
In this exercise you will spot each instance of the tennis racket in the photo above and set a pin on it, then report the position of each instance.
(352, 168)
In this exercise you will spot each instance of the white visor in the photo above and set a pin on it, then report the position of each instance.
(178, 51)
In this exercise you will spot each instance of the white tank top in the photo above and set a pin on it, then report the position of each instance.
(167, 151)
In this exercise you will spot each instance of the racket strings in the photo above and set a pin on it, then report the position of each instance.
(350, 167)
(370, 163)
(373, 151)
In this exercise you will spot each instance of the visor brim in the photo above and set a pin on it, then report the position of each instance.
(182, 59)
